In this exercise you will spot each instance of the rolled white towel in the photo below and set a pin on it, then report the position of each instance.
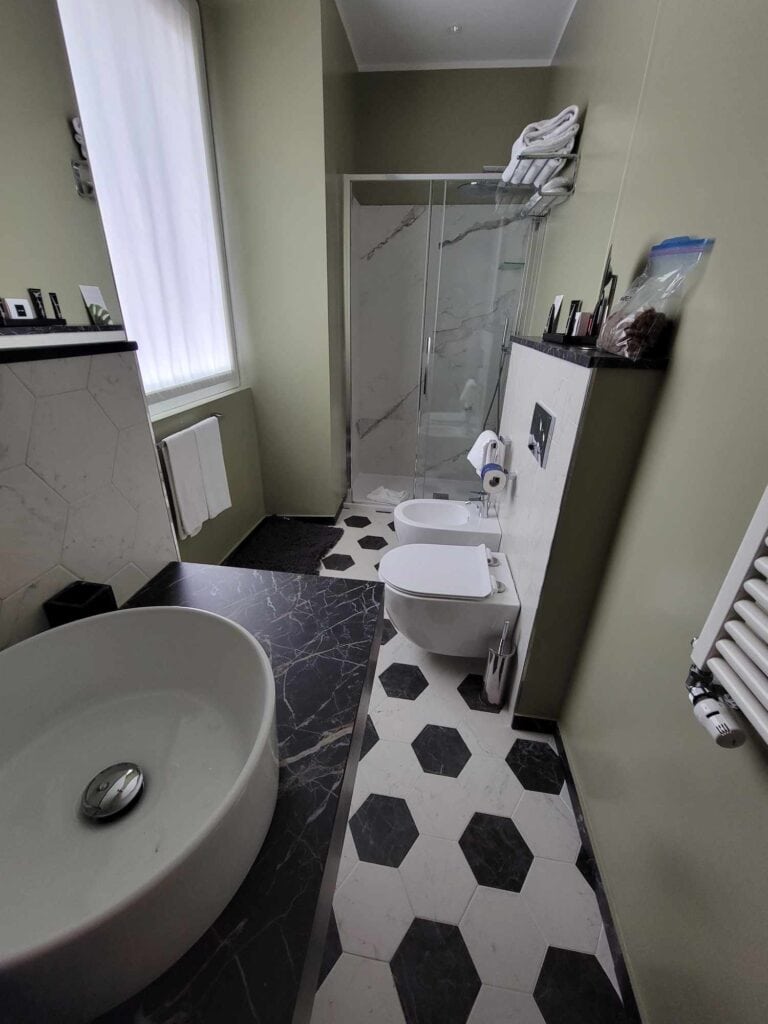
(563, 142)
(547, 135)
(554, 125)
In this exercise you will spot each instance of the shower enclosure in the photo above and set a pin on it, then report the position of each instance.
(439, 274)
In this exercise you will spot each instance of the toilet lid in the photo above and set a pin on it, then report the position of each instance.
(438, 570)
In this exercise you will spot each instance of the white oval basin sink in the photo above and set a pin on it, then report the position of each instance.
(91, 912)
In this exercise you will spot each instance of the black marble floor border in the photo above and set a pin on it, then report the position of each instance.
(631, 1010)
(314, 957)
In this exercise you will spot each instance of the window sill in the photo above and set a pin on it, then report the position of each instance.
(164, 410)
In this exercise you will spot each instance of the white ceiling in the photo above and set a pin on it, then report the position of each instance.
(416, 34)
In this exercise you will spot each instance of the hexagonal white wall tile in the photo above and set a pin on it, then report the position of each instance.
(115, 383)
(32, 521)
(72, 445)
(126, 582)
(548, 826)
(563, 904)
(503, 940)
(22, 615)
(54, 376)
(501, 1006)
(16, 407)
(100, 534)
(438, 879)
(372, 911)
(136, 474)
(155, 543)
(358, 990)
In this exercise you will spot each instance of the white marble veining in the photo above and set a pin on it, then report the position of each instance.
(503, 939)
(529, 510)
(81, 495)
(395, 301)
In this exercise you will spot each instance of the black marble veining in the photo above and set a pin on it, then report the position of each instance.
(590, 356)
(320, 635)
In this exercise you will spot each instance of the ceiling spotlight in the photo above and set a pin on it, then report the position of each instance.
(455, 29)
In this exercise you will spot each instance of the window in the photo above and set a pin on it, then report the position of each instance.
(139, 76)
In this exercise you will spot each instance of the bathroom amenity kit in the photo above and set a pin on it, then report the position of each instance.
(194, 464)
(487, 457)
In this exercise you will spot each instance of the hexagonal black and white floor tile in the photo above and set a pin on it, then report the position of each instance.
(357, 521)
(373, 543)
(404, 681)
(572, 988)
(441, 750)
(388, 632)
(496, 852)
(383, 830)
(537, 766)
(370, 737)
(471, 690)
(338, 562)
(434, 974)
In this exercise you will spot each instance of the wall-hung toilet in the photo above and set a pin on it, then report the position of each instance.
(448, 599)
(438, 521)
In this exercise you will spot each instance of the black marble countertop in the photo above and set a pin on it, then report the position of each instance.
(322, 638)
(590, 356)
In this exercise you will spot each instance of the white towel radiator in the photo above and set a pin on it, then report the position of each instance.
(730, 656)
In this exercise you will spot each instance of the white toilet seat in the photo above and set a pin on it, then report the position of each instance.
(439, 571)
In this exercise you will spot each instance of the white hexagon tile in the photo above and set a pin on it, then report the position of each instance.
(81, 496)
(464, 894)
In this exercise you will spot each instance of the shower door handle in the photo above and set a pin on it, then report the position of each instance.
(425, 374)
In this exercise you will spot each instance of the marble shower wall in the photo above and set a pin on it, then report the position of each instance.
(477, 289)
(81, 495)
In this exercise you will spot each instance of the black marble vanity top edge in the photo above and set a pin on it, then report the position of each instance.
(321, 635)
(8, 330)
(65, 350)
(591, 357)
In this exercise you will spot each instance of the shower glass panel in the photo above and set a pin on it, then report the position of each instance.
(389, 230)
(478, 255)
(436, 270)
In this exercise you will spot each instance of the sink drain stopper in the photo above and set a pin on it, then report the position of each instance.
(112, 792)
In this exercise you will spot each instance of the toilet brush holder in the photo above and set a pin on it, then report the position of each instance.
(498, 669)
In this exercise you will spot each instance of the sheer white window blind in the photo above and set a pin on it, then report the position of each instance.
(139, 77)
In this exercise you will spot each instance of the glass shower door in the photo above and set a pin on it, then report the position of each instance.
(476, 267)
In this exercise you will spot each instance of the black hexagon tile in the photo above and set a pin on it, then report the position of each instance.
(391, 526)
(537, 766)
(370, 737)
(404, 681)
(372, 543)
(358, 521)
(585, 862)
(471, 689)
(383, 830)
(387, 632)
(573, 988)
(496, 852)
(434, 974)
(338, 562)
(332, 950)
(441, 750)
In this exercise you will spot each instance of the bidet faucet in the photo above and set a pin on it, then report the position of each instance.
(481, 501)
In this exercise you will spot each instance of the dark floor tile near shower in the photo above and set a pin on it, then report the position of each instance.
(338, 562)
(357, 521)
(372, 543)
(388, 632)
(434, 974)
(574, 989)
(279, 544)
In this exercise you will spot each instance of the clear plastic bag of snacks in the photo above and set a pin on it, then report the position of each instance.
(641, 325)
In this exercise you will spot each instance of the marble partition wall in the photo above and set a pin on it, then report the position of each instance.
(461, 296)
(80, 490)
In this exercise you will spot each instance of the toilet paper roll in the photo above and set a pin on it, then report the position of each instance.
(493, 477)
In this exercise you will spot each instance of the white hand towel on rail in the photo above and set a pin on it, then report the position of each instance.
(212, 465)
(185, 476)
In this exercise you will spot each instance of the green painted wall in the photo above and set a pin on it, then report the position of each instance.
(49, 237)
(265, 67)
(449, 121)
(239, 442)
(679, 826)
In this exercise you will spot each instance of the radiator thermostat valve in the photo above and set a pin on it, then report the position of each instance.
(712, 713)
